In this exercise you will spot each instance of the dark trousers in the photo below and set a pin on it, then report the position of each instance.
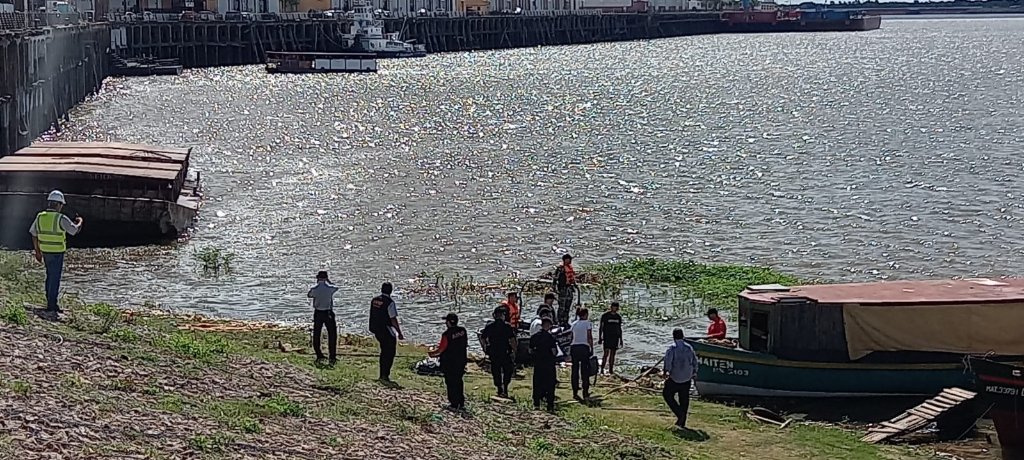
(454, 385)
(677, 396)
(565, 295)
(54, 262)
(580, 365)
(323, 318)
(544, 384)
(388, 346)
(502, 369)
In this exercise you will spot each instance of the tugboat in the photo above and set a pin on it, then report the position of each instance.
(367, 36)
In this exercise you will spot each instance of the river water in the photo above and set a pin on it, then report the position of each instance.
(847, 156)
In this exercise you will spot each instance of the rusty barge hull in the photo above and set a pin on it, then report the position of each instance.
(127, 194)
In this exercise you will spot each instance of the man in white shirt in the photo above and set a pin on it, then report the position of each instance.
(537, 324)
(580, 350)
(323, 315)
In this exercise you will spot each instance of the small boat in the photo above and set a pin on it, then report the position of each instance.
(523, 355)
(367, 35)
(898, 338)
(1001, 385)
(310, 62)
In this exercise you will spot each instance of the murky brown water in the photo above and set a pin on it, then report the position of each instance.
(888, 154)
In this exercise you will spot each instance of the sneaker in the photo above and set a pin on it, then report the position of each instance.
(332, 361)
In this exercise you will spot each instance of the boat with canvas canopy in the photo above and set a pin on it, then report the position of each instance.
(896, 338)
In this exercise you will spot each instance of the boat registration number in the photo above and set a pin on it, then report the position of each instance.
(739, 372)
(1001, 390)
(722, 366)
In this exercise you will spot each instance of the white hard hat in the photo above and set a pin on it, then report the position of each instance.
(57, 197)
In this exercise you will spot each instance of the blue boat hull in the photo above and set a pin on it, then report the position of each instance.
(728, 372)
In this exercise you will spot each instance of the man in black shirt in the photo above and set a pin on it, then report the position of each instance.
(610, 333)
(385, 328)
(544, 349)
(452, 351)
(499, 342)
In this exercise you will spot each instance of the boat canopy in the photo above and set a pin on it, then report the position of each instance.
(967, 316)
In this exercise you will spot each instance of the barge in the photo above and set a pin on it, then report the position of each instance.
(311, 62)
(127, 194)
(897, 338)
(819, 20)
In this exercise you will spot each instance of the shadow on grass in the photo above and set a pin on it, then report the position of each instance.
(691, 435)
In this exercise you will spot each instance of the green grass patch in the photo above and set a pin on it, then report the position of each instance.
(276, 406)
(171, 403)
(203, 348)
(20, 387)
(123, 335)
(713, 285)
(13, 314)
(6, 447)
(215, 443)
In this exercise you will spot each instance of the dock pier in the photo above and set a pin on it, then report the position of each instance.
(204, 44)
(45, 73)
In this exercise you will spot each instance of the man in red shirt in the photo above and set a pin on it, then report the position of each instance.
(716, 330)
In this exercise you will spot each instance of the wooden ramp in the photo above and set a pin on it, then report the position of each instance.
(920, 416)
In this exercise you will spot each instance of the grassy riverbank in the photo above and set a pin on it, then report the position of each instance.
(103, 383)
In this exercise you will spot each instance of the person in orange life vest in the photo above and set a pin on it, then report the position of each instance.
(565, 285)
(716, 330)
(512, 305)
(452, 351)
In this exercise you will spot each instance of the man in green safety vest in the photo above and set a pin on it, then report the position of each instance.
(49, 237)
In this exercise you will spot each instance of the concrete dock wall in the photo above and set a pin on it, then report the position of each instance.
(201, 44)
(45, 73)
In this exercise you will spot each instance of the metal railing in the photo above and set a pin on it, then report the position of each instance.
(21, 21)
(330, 15)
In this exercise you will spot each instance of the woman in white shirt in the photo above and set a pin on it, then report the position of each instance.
(581, 349)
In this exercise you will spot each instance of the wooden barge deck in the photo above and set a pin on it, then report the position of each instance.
(127, 194)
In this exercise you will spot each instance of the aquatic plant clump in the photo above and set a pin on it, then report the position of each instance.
(714, 285)
(213, 260)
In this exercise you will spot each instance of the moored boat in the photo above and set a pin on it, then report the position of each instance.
(313, 62)
(817, 20)
(1001, 385)
(127, 194)
(898, 338)
(367, 35)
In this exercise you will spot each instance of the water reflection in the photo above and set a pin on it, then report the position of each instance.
(889, 154)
